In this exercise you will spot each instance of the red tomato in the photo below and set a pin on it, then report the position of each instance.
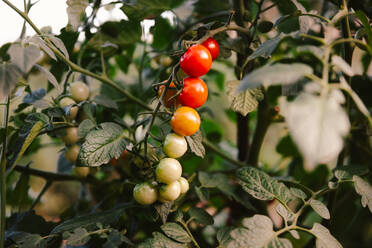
(212, 46)
(185, 121)
(196, 61)
(194, 92)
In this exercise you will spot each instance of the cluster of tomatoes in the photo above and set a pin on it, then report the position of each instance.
(195, 62)
(79, 92)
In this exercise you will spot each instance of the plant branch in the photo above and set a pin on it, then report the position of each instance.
(50, 176)
(189, 233)
(3, 173)
(42, 192)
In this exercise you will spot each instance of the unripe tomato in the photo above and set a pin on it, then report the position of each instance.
(72, 153)
(79, 91)
(168, 170)
(196, 61)
(184, 184)
(81, 171)
(145, 193)
(185, 121)
(168, 100)
(174, 145)
(71, 136)
(67, 101)
(213, 47)
(165, 60)
(194, 92)
(170, 192)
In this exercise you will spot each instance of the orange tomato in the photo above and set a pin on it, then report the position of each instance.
(171, 91)
(185, 121)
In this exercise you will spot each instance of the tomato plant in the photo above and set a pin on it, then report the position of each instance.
(204, 123)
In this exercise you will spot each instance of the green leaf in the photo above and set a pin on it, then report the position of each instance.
(243, 102)
(77, 237)
(20, 192)
(320, 208)
(208, 181)
(163, 33)
(367, 27)
(102, 145)
(84, 127)
(161, 241)
(294, 234)
(324, 237)
(283, 212)
(121, 33)
(298, 193)
(364, 189)
(258, 232)
(105, 101)
(195, 144)
(317, 125)
(36, 40)
(75, 11)
(267, 48)
(262, 186)
(164, 210)
(274, 74)
(202, 193)
(347, 172)
(223, 236)
(201, 216)
(9, 76)
(265, 26)
(24, 57)
(34, 96)
(50, 77)
(140, 9)
(176, 232)
(106, 217)
(340, 64)
(28, 240)
(25, 141)
(115, 239)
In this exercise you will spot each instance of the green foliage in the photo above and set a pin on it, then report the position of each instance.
(293, 80)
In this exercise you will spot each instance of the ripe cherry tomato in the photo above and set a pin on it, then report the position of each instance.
(168, 170)
(185, 121)
(145, 193)
(168, 100)
(174, 145)
(115, 161)
(79, 91)
(196, 61)
(72, 153)
(184, 185)
(170, 192)
(71, 136)
(194, 92)
(212, 46)
(67, 101)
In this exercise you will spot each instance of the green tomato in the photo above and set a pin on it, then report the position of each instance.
(145, 193)
(168, 170)
(174, 145)
(67, 101)
(81, 171)
(72, 153)
(165, 60)
(79, 91)
(184, 185)
(170, 192)
(71, 136)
